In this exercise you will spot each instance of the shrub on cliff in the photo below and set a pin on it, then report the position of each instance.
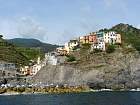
(86, 46)
(110, 49)
(71, 58)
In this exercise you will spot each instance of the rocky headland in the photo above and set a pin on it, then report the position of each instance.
(118, 70)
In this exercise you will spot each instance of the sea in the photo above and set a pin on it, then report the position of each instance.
(86, 98)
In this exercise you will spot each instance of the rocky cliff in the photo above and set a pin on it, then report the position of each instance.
(118, 70)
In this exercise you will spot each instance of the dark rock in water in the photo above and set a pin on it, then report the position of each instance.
(3, 81)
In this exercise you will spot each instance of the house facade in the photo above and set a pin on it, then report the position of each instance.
(118, 39)
(67, 48)
(25, 70)
(99, 45)
(112, 37)
(61, 51)
(98, 40)
(72, 44)
(51, 58)
(90, 39)
(32, 69)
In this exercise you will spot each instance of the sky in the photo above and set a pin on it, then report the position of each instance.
(57, 21)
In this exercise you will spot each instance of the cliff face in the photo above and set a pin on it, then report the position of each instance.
(117, 70)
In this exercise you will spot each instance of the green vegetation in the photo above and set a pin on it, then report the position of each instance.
(71, 58)
(33, 43)
(18, 55)
(86, 46)
(31, 53)
(110, 48)
(130, 35)
(97, 50)
(9, 53)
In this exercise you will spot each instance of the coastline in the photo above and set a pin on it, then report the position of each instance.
(91, 90)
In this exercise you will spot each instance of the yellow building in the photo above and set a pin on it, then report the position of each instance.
(82, 40)
(118, 39)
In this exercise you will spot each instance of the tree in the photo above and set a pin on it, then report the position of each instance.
(71, 58)
(110, 48)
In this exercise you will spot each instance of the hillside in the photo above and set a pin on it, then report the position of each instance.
(9, 53)
(117, 70)
(31, 43)
(130, 34)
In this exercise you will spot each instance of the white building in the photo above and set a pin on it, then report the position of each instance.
(112, 37)
(72, 44)
(51, 58)
(25, 70)
(99, 45)
(67, 48)
(35, 68)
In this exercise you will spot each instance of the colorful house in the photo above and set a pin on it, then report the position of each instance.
(99, 45)
(118, 38)
(61, 51)
(32, 69)
(112, 37)
(91, 38)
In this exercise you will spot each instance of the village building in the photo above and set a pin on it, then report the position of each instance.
(51, 58)
(73, 44)
(100, 44)
(61, 51)
(88, 39)
(118, 39)
(92, 38)
(25, 70)
(32, 69)
(112, 37)
(67, 48)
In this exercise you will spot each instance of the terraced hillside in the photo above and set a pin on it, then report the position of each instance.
(9, 53)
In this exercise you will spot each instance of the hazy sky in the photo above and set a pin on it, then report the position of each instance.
(57, 21)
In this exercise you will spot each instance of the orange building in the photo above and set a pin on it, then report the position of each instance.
(91, 38)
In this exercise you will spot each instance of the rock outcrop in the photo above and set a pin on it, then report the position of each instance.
(116, 71)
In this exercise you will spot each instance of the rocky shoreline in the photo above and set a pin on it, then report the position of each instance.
(52, 90)
(42, 90)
